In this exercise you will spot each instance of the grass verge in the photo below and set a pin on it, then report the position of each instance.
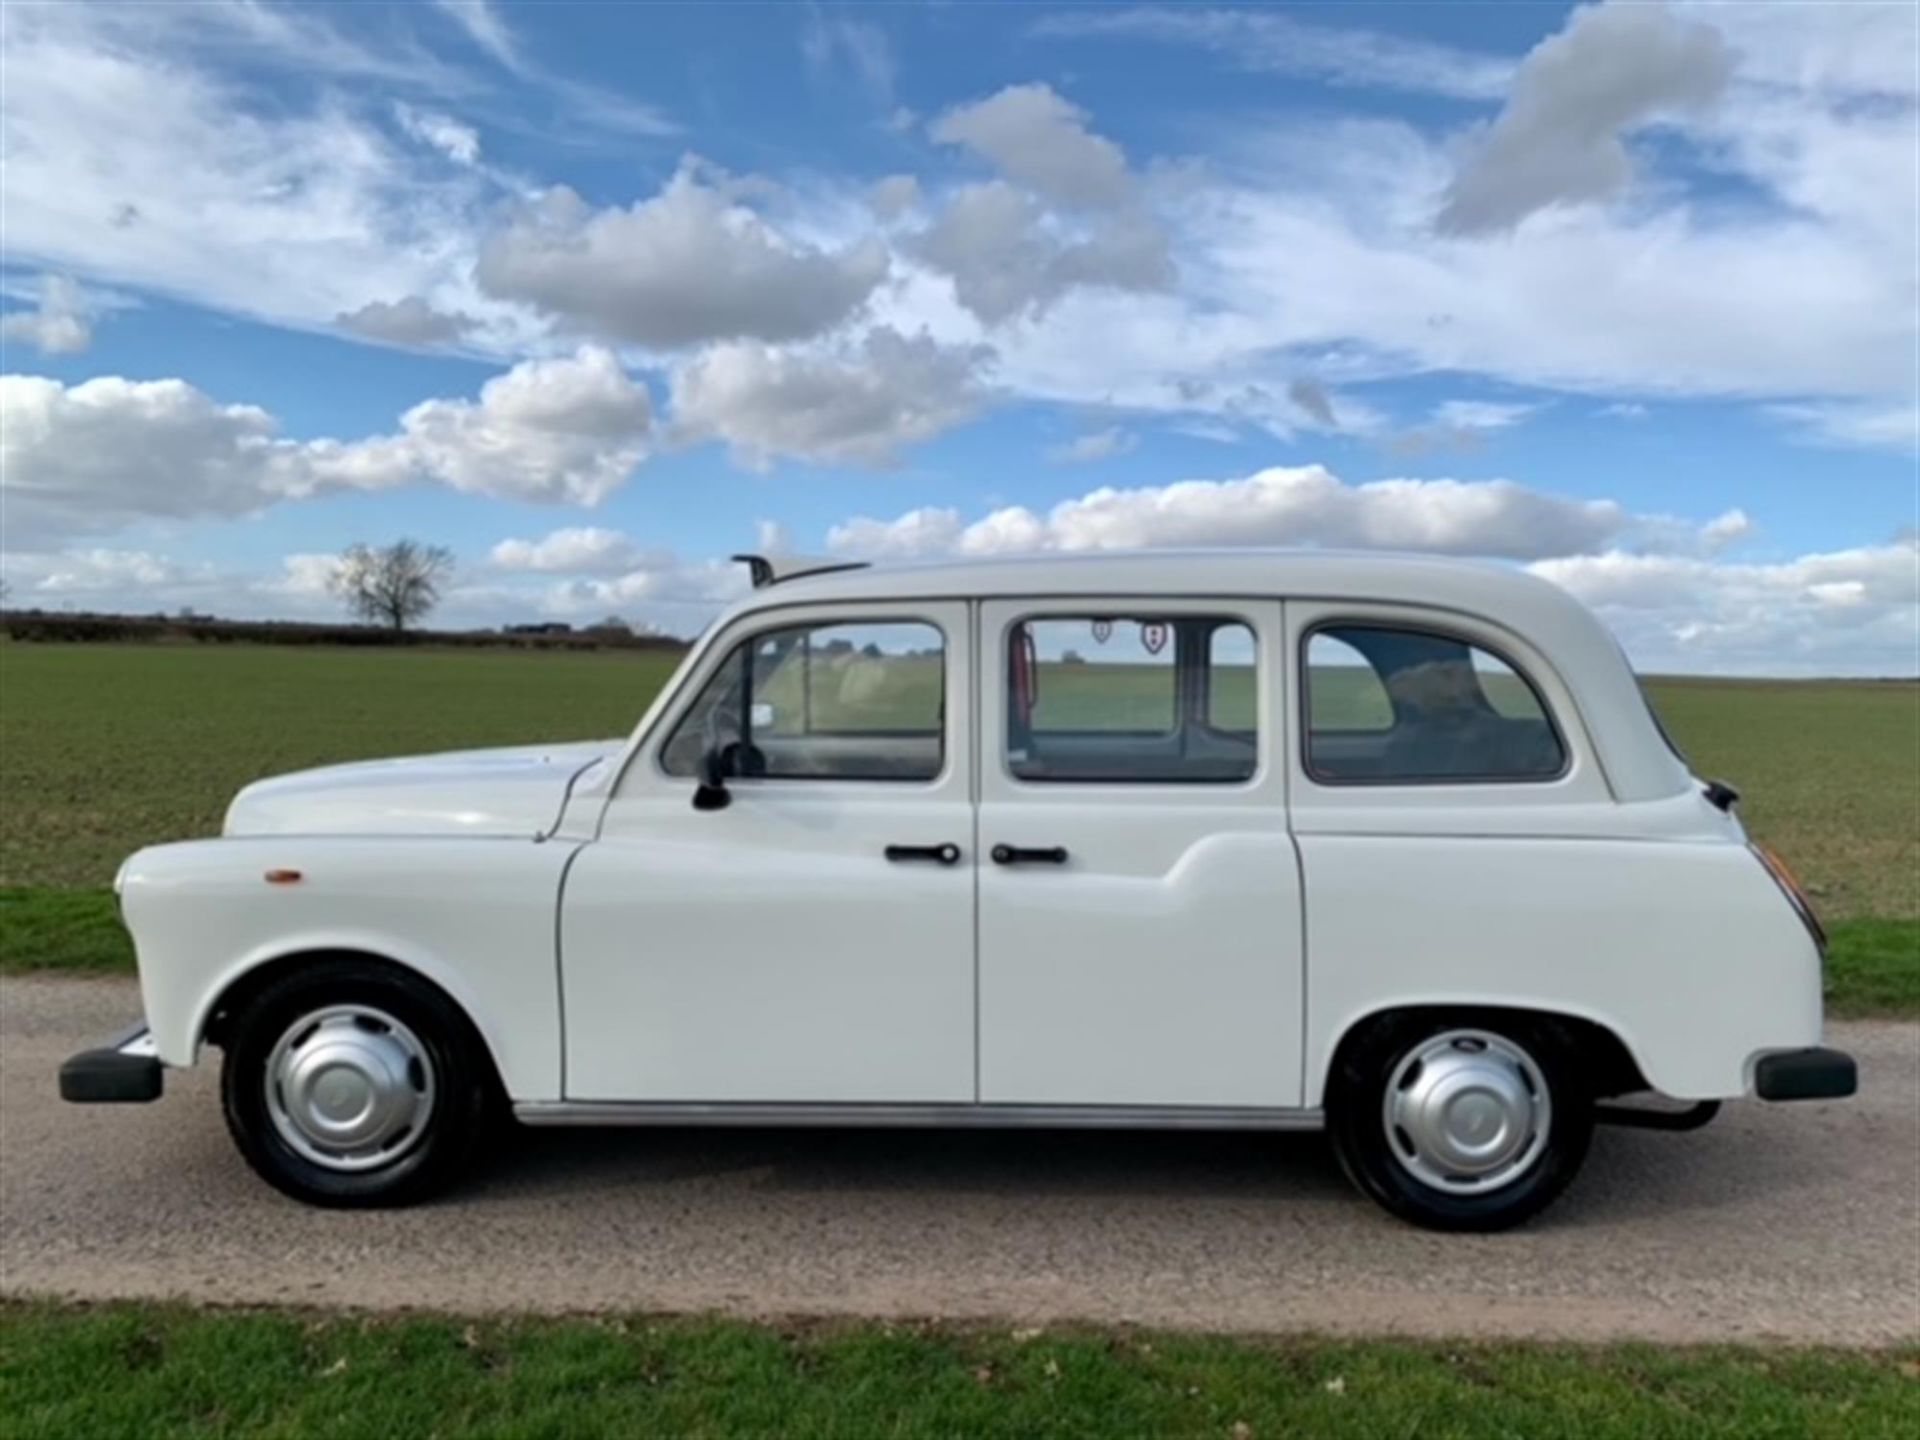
(1873, 966)
(158, 1371)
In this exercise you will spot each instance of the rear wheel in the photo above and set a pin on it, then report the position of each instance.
(1460, 1122)
(351, 1083)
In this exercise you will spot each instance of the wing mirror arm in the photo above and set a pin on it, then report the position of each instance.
(712, 792)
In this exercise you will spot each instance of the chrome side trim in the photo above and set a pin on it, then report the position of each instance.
(1056, 1117)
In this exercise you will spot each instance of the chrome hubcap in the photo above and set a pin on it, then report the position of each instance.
(1467, 1111)
(349, 1087)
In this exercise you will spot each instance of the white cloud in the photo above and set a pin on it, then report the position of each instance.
(1039, 140)
(407, 321)
(1210, 430)
(1842, 611)
(1094, 445)
(567, 430)
(484, 27)
(576, 550)
(308, 576)
(1558, 141)
(1200, 289)
(58, 324)
(110, 451)
(129, 161)
(1726, 528)
(282, 38)
(687, 266)
(1311, 397)
(842, 405)
(1007, 256)
(929, 530)
(1299, 256)
(1066, 216)
(580, 104)
(1282, 44)
(1481, 414)
(79, 573)
(1300, 505)
(893, 196)
(459, 143)
(661, 589)
(827, 41)
(1842, 51)
(99, 454)
(142, 582)
(1857, 425)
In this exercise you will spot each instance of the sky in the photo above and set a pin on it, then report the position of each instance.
(597, 295)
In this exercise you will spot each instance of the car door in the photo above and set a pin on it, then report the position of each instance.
(1140, 920)
(1444, 798)
(813, 940)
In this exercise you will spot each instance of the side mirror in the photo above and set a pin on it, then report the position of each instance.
(711, 793)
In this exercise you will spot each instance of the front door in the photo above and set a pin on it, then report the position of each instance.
(813, 940)
(1140, 911)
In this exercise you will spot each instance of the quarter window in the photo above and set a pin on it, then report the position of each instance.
(1396, 706)
(1131, 698)
(822, 702)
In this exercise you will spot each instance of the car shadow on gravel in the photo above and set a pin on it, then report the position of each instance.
(1124, 1164)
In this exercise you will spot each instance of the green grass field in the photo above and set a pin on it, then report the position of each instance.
(179, 1372)
(104, 749)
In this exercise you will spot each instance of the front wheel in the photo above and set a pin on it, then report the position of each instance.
(349, 1083)
(1460, 1122)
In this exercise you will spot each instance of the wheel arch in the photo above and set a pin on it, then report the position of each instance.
(1605, 1054)
(246, 980)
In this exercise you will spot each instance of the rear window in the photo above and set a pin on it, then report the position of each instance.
(1393, 706)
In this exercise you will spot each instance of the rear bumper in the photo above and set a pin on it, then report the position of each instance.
(1815, 1073)
(123, 1071)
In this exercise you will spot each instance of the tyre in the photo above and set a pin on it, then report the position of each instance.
(349, 1083)
(1460, 1122)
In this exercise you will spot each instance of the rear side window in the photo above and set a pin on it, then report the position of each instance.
(1131, 698)
(822, 702)
(1390, 706)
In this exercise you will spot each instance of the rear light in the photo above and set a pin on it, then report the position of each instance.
(1790, 887)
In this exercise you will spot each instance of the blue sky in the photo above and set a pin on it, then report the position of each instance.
(598, 294)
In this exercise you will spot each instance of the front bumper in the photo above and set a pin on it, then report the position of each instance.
(123, 1071)
(1815, 1073)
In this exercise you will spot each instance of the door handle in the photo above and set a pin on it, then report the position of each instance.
(1029, 855)
(948, 854)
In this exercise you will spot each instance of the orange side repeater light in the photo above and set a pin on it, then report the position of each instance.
(283, 877)
(1784, 878)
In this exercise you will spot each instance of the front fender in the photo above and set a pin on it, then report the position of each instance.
(474, 916)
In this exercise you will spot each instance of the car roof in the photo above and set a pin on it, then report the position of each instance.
(1334, 574)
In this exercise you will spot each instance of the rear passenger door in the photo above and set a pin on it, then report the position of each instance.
(1441, 786)
(1140, 924)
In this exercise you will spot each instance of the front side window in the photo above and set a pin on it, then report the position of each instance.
(837, 701)
(1387, 705)
(1131, 698)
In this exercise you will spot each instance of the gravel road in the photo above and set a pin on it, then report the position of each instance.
(1798, 1223)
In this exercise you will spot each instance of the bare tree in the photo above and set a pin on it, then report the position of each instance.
(392, 585)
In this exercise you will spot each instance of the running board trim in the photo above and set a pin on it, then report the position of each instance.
(1054, 1117)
